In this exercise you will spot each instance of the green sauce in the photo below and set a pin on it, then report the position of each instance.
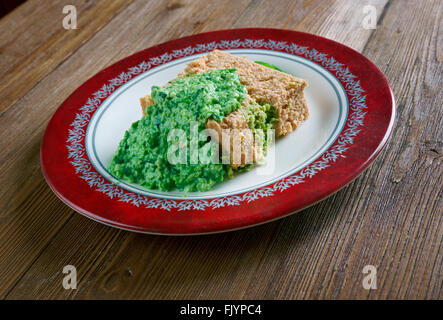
(142, 156)
(185, 104)
(269, 65)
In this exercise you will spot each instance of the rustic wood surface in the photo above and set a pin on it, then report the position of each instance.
(389, 217)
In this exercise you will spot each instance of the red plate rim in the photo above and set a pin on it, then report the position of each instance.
(368, 128)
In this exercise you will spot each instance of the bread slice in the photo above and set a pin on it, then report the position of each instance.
(264, 85)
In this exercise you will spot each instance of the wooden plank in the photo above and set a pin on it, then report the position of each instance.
(337, 20)
(28, 26)
(337, 15)
(136, 266)
(394, 220)
(38, 105)
(20, 166)
(412, 170)
(276, 14)
(183, 18)
(22, 77)
(34, 285)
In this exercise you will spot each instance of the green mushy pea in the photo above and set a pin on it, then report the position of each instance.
(142, 156)
(261, 117)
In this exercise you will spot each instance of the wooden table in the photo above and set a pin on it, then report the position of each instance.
(390, 217)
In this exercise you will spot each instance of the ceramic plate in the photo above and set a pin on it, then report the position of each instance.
(352, 112)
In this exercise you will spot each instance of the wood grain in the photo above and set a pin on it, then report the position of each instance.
(391, 216)
(22, 77)
(28, 27)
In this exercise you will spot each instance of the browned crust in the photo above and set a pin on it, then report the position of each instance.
(282, 90)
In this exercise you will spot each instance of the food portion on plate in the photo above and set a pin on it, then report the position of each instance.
(217, 118)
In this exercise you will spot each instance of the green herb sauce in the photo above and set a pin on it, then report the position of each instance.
(142, 156)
